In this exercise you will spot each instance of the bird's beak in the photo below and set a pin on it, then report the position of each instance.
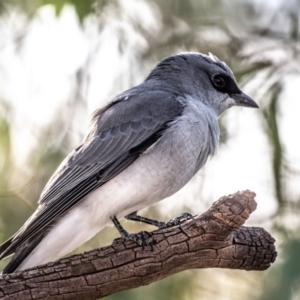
(242, 99)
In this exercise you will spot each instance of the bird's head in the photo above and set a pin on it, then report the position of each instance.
(204, 77)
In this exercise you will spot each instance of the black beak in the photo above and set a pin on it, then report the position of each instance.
(242, 99)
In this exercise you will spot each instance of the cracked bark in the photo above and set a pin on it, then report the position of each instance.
(215, 239)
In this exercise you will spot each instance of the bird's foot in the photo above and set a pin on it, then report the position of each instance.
(142, 238)
(176, 221)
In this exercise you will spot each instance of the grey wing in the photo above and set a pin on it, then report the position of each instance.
(120, 132)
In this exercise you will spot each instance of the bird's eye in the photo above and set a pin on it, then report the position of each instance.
(219, 81)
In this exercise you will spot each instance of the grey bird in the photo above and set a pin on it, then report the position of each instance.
(142, 147)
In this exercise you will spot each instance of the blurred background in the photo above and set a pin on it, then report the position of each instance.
(60, 60)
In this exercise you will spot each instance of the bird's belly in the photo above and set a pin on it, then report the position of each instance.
(155, 175)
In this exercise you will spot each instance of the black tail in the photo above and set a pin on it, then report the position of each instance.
(20, 254)
(4, 247)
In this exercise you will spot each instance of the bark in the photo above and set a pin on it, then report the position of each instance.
(215, 239)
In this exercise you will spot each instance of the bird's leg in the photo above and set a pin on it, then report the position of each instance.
(142, 238)
(135, 217)
(160, 224)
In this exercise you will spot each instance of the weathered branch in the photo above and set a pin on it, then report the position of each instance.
(215, 239)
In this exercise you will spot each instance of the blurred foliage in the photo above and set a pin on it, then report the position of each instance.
(271, 114)
(225, 28)
(83, 8)
(5, 145)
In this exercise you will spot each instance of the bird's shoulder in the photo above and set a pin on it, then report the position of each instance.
(136, 104)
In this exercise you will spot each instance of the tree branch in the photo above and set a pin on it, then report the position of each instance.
(215, 239)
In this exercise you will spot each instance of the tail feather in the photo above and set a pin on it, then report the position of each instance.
(21, 253)
(4, 248)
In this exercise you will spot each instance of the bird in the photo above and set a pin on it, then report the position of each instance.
(142, 147)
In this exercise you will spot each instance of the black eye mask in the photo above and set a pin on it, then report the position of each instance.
(225, 84)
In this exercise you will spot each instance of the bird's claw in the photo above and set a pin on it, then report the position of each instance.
(142, 238)
(176, 221)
